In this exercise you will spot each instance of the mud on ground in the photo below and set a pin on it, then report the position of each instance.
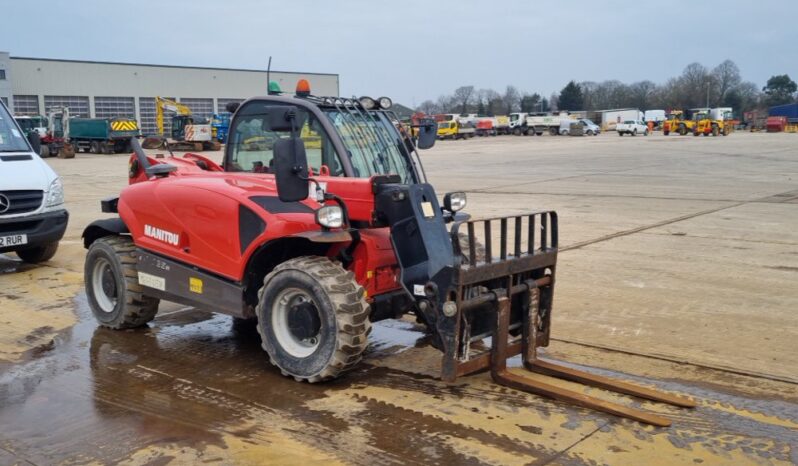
(677, 272)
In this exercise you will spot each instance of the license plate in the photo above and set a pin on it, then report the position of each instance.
(13, 240)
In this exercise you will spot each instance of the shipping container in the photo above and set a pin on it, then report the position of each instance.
(789, 111)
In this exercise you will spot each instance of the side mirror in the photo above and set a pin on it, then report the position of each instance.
(427, 133)
(290, 169)
(35, 142)
(232, 106)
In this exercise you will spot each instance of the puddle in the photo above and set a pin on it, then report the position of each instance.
(197, 386)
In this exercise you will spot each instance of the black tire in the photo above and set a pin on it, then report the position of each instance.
(665, 133)
(682, 130)
(94, 147)
(36, 254)
(634, 133)
(120, 301)
(715, 130)
(516, 131)
(589, 132)
(334, 340)
(645, 133)
(620, 133)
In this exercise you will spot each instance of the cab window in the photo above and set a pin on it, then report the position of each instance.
(251, 145)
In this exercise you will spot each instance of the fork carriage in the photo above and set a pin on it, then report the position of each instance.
(509, 299)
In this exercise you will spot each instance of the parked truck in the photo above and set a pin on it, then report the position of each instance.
(610, 118)
(455, 129)
(33, 123)
(537, 124)
(102, 135)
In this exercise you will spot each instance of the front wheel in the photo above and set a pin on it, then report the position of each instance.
(620, 133)
(313, 319)
(37, 254)
(115, 296)
(634, 133)
(590, 132)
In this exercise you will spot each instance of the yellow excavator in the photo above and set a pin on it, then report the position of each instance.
(189, 132)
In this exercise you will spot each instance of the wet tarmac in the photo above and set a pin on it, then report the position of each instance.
(677, 272)
(196, 387)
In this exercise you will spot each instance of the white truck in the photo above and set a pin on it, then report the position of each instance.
(537, 124)
(632, 127)
(517, 122)
(657, 116)
(37, 123)
(32, 214)
(610, 118)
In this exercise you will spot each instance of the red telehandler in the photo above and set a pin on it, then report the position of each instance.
(319, 222)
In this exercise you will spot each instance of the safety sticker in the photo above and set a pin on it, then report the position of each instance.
(152, 281)
(426, 208)
(195, 285)
(418, 290)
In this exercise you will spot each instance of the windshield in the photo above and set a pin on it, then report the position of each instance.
(11, 139)
(28, 124)
(373, 143)
(588, 122)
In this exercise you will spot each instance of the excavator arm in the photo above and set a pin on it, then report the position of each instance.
(162, 104)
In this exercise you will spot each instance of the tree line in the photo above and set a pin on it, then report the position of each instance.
(697, 86)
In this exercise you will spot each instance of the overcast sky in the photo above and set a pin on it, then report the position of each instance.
(416, 50)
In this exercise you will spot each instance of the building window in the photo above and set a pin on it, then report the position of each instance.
(114, 107)
(2, 75)
(221, 104)
(199, 107)
(147, 115)
(27, 105)
(78, 105)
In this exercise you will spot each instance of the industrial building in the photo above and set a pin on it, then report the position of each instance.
(34, 86)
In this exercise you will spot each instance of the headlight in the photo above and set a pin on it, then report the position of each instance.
(454, 201)
(55, 193)
(385, 103)
(330, 216)
(367, 102)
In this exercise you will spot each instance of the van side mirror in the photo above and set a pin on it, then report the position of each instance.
(291, 169)
(427, 133)
(232, 106)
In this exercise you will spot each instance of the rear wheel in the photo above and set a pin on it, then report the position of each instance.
(666, 132)
(682, 130)
(115, 296)
(38, 254)
(620, 133)
(313, 319)
(715, 130)
(94, 147)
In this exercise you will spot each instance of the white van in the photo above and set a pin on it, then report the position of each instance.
(32, 214)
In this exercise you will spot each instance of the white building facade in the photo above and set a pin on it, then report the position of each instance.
(34, 86)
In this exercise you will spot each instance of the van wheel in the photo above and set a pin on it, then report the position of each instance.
(313, 318)
(38, 254)
(116, 298)
(590, 132)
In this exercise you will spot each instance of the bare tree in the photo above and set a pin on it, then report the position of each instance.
(553, 100)
(727, 76)
(511, 100)
(462, 95)
(640, 94)
(429, 107)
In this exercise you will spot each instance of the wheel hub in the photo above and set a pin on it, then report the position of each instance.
(303, 320)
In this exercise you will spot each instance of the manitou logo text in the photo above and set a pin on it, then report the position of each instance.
(161, 235)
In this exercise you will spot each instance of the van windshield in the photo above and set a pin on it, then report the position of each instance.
(11, 138)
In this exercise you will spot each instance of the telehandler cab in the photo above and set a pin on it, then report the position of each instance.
(318, 222)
